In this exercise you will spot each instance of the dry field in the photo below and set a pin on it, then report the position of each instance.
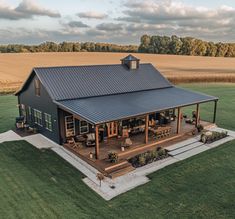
(14, 68)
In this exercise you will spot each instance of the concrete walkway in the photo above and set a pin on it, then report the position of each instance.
(111, 188)
(9, 136)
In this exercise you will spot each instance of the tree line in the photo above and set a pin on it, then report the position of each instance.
(185, 46)
(68, 47)
(148, 44)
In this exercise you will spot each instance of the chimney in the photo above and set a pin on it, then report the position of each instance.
(131, 62)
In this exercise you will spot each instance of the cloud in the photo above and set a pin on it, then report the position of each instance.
(77, 24)
(173, 12)
(25, 10)
(153, 17)
(110, 26)
(92, 15)
(174, 17)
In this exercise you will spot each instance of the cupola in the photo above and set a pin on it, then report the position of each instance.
(131, 62)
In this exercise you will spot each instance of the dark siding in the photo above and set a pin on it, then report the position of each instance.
(43, 104)
(62, 115)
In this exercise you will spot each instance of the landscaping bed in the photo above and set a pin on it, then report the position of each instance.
(148, 157)
(208, 137)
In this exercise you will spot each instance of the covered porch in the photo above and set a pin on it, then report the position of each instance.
(139, 143)
(148, 119)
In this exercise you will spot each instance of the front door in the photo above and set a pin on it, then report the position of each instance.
(112, 129)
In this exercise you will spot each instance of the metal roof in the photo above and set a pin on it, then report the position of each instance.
(88, 81)
(102, 109)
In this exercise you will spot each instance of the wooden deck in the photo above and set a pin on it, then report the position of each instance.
(139, 146)
(23, 132)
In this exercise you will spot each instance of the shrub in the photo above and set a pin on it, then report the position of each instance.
(154, 154)
(148, 157)
(113, 157)
(162, 152)
(203, 138)
(142, 160)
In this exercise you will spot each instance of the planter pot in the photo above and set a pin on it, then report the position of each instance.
(91, 155)
(122, 148)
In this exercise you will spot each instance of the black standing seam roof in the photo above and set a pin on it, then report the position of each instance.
(99, 80)
(97, 110)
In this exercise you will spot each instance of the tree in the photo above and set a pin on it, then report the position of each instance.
(231, 50)
(175, 45)
(200, 48)
(211, 49)
(144, 43)
(76, 47)
(222, 49)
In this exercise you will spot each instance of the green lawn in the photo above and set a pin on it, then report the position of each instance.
(226, 104)
(8, 112)
(36, 184)
(39, 184)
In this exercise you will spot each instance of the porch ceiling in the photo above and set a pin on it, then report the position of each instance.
(103, 109)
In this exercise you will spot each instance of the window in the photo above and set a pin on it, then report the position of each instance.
(48, 121)
(84, 128)
(37, 87)
(69, 126)
(133, 65)
(38, 117)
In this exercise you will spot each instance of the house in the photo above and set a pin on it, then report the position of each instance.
(106, 103)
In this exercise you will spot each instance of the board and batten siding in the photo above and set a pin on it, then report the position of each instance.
(44, 104)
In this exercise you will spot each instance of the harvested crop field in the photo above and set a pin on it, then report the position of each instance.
(14, 68)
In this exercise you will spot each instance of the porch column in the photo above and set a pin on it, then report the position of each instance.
(146, 129)
(97, 147)
(215, 109)
(197, 116)
(179, 121)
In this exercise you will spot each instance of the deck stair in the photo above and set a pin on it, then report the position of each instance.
(186, 148)
(119, 169)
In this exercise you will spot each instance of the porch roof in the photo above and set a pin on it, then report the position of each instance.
(97, 110)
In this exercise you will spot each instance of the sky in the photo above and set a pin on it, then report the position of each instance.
(114, 21)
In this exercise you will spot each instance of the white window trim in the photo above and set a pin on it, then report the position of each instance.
(46, 115)
(38, 111)
(80, 127)
(66, 126)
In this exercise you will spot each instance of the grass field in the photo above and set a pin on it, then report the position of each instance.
(14, 68)
(36, 184)
(39, 184)
(8, 112)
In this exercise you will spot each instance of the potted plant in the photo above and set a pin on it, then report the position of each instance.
(113, 157)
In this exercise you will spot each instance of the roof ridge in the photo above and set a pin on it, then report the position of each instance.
(78, 66)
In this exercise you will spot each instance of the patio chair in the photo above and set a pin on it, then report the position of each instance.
(72, 143)
(90, 142)
(20, 121)
(125, 133)
(126, 143)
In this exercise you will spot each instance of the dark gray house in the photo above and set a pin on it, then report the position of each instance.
(107, 103)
